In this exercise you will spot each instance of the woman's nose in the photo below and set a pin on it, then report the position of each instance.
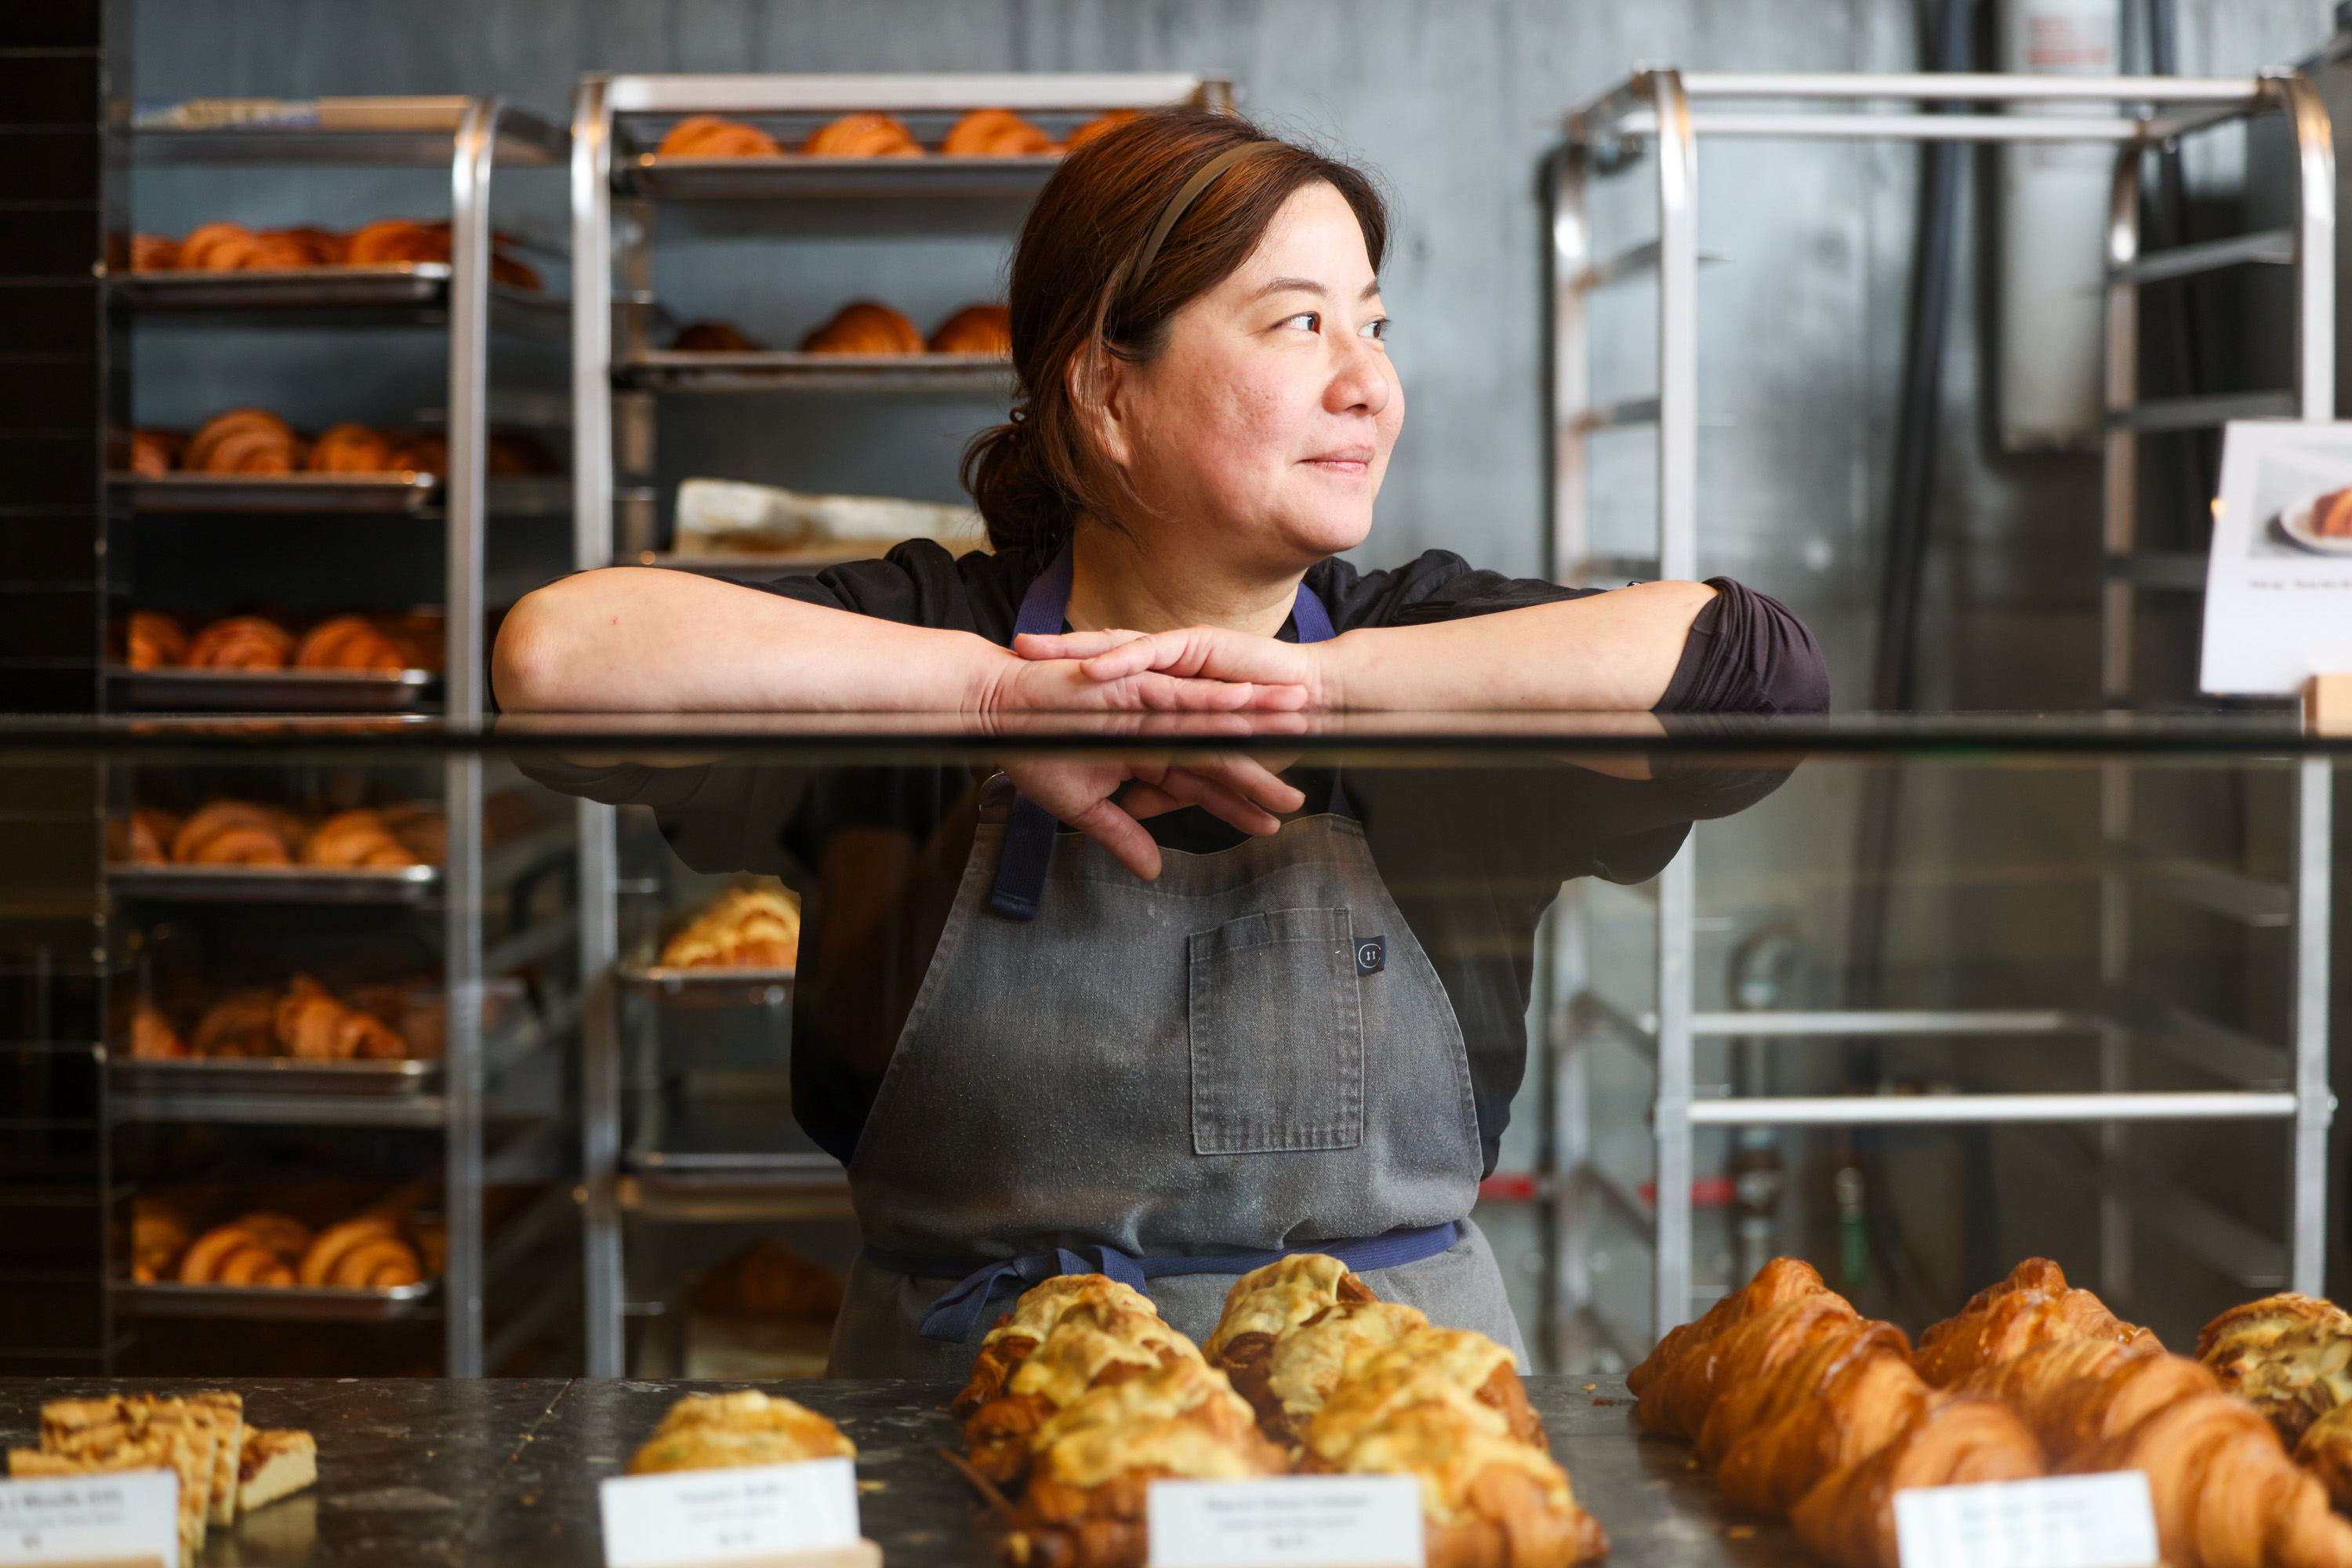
(1360, 383)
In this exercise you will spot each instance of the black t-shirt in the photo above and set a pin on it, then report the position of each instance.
(1473, 856)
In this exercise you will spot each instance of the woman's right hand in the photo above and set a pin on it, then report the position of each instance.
(1045, 685)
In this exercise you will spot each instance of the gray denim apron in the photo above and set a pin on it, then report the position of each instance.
(1169, 1082)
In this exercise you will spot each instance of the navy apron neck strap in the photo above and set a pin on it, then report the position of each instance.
(1029, 835)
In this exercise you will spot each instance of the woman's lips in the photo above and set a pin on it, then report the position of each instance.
(1348, 463)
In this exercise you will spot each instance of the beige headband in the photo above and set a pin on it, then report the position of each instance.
(1181, 202)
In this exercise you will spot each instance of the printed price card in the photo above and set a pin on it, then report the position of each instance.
(2062, 1522)
(129, 1518)
(1288, 1521)
(760, 1513)
(2278, 581)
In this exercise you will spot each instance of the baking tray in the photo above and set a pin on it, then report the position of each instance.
(360, 493)
(794, 176)
(271, 1075)
(275, 884)
(315, 1303)
(375, 284)
(709, 986)
(678, 370)
(177, 690)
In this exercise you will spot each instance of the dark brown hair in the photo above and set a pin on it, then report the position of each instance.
(1072, 296)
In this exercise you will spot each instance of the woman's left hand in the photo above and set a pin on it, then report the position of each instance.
(1195, 653)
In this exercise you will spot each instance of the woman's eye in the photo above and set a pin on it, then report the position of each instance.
(1305, 321)
(1376, 329)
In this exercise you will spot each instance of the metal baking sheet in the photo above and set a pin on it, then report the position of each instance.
(360, 493)
(378, 284)
(794, 176)
(274, 691)
(672, 369)
(315, 1303)
(275, 884)
(709, 986)
(271, 1075)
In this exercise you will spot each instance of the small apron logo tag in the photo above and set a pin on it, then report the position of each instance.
(1371, 954)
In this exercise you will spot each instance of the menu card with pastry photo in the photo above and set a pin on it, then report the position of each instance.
(2278, 586)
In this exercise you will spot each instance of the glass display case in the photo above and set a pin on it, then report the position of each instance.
(1568, 1020)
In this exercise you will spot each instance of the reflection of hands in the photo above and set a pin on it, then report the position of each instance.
(1235, 788)
(1191, 656)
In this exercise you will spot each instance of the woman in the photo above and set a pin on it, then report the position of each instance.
(1176, 1049)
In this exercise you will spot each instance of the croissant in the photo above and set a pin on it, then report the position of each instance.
(238, 1024)
(231, 1255)
(155, 640)
(748, 928)
(1092, 1346)
(975, 330)
(421, 637)
(1679, 1402)
(422, 452)
(713, 337)
(2034, 1304)
(1800, 1341)
(2289, 1354)
(1958, 1440)
(152, 1039)
(220, 247)
(354, 838)
(1102, 124)
(422, 829)
(1017, 1333)
(1308, 1362)
(350, 449)
(321, 247)
(382, 1263)
(2075, 1394)
(2225, 1490)
(1781, 1279)
(241, 441)
(398, 239)
(158, 1239)
(865, 328)
(994, 134)
(311, 1024)
(863, 136)
(240, 642)
(347, 642)
(2325, 1451)
(1863, 1399)
(1266, 1303)
(325, 1256)
(231, 833)
(708, 136)
(154, 253)
(1423, 1365)
(155, 453)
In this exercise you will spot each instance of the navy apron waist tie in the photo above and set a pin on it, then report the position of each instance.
(1029, 835)
(954, 1315)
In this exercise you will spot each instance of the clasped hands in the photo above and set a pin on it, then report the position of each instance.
(1197, 680)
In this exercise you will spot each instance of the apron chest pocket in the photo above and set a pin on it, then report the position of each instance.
(1278, 1034)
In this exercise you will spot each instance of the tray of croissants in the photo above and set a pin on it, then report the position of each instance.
(864, 342)
(375, 1261)
(247, 663)
(254, 849)
(225, 265)
(737, 948)
(303, 1036)
(251, 459)
(982, 152)
(1803, 1409)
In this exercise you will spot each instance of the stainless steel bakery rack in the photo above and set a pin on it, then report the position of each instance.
(488, 927)
(619, 179)
(1654, 123)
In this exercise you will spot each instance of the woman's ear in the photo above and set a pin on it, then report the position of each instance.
(1097, 386)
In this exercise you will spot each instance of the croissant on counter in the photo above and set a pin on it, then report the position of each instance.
(975, 330)
(863, 136)
(864, 327)
(1960, 1439)
(2289, 1354)
(995, 133)
(1267, 1304)
(1091, 1345)
(1835, 1406)
(709, 136)
(719, 1431)
(1781, 1279)
(2034, 1304)
(1016, 1334)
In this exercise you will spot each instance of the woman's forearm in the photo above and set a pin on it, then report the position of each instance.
(1616, 651)
(632, 639)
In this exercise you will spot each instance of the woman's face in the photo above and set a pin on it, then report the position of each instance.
(1265, 425)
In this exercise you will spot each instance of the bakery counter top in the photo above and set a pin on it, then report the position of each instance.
(505, 1471)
